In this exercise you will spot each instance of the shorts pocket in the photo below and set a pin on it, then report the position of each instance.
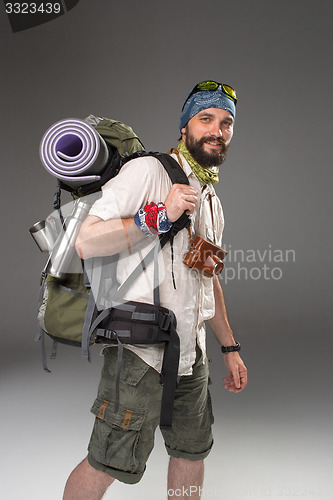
(132, 370)
(115, 440)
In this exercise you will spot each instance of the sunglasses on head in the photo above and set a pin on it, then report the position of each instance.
(211, 85)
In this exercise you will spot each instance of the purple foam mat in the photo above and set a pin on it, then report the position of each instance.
(73, 152)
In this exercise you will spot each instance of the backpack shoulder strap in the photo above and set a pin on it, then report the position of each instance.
(175, 171)
(177, 176)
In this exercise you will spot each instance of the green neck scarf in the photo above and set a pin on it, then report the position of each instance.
(205, 175)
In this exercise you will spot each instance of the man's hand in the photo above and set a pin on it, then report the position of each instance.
(181, 198)
(236, 380)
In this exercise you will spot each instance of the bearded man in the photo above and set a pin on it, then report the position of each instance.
(122, 221)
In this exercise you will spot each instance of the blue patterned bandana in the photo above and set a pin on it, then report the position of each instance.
(204, 100)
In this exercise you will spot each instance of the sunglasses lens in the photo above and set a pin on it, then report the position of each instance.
(209, 85)
(230, 91)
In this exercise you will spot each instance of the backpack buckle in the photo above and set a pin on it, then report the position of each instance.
(106, 334)
(165, 321)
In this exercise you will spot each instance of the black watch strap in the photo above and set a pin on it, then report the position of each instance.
(230, 348)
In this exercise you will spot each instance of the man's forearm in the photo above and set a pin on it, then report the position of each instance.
(99, 238)
(219, 323)
(237, 375)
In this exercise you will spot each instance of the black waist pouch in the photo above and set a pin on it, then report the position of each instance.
(141, 323)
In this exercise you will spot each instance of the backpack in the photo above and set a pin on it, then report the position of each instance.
(69, 313)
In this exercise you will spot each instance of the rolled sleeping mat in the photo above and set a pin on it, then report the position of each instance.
(73, 152)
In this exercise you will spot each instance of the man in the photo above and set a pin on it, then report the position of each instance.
(119, 223)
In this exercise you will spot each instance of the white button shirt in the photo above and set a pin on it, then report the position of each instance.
(140, 182)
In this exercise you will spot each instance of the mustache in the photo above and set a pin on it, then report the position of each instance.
(213, 138)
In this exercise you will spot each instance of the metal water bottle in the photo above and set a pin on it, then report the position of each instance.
(64, 248)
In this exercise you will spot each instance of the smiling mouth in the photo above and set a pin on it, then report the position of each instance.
(215, 144)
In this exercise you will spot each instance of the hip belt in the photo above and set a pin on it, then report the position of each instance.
(140, 323)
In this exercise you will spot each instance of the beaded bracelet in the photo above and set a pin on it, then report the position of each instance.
(153, 219)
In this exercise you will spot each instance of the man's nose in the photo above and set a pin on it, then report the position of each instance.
(216, 130)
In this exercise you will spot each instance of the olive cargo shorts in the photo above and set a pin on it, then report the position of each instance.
(121, 442)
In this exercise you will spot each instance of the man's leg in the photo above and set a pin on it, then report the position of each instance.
(185, 478)
(86, 483)
(121, 441)
(190, 439)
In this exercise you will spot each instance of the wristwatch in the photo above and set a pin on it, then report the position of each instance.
(230, 348)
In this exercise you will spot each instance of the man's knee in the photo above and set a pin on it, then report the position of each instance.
(100, 475)
(86, 482)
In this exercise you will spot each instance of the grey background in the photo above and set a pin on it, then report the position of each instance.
(136, 61)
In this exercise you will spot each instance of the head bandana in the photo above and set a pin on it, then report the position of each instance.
(204, 100)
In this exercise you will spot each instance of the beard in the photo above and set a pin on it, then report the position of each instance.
(204, 158)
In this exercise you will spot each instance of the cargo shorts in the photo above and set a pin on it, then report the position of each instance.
(122, 441)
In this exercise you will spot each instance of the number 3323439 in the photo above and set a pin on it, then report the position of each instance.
(33, 8)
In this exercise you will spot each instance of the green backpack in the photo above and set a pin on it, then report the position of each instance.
(67, 306)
